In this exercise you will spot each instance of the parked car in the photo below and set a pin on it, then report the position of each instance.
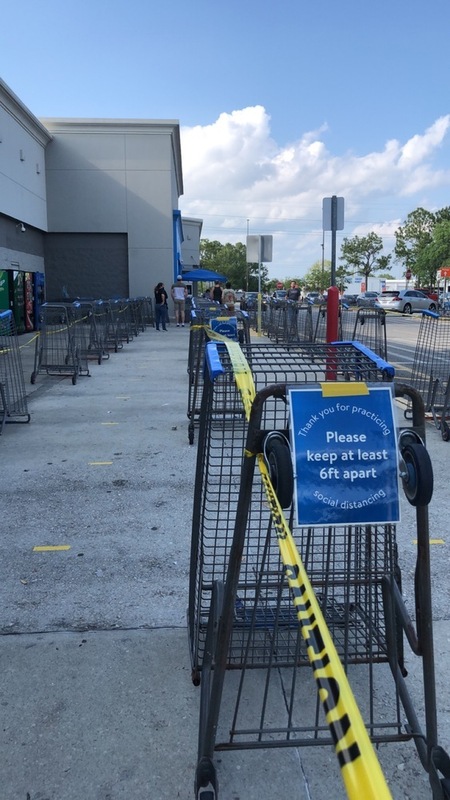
(279, 294)
(406, 301)
(367, 298)
(431, 293)
(313, 297)
(250, 300)
(350, 299)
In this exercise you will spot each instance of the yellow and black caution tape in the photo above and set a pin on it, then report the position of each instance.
(360, 769)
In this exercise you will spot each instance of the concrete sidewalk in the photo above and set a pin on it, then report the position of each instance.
(95, 685)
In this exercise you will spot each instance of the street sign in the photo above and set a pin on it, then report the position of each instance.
(327, 214)
(345, 455)
(259, 249)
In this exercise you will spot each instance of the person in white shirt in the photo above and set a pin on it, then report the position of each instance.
(179, 293)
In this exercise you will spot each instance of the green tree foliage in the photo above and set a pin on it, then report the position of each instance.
(419, 246)
(316, 279)
(413, 237)
(435, 255)
(363, 255)
(231, 260)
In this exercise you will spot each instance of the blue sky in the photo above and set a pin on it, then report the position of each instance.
(280, 103)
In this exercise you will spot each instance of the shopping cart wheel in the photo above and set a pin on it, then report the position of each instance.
(417, 475)
(445, 431)
(33, 378)
(74, 378)
(279, 463)
(205, 780)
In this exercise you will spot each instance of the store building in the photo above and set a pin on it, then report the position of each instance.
(88, 206)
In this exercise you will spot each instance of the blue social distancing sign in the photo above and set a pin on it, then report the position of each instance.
(345, 454)
(226, 326)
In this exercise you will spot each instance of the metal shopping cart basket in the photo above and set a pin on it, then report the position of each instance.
(288, 321)
(13, 399)
(430, 373)
(267, 597)
(56, 350)
(203, 320)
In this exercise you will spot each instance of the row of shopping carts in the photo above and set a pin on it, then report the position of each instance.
(430, 373)
(208, 319)
(257, 618)
(13, 399)
(72, 334)
(288, 322)
(285, 322)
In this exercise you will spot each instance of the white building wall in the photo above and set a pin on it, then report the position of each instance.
(22, 162)
(192, 229)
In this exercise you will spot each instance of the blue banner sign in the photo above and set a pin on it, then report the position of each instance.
(226, 326)
(345, 454)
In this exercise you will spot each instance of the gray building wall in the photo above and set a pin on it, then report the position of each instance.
(118, 176)
(86, 265)
(23, 140)
(97, 198)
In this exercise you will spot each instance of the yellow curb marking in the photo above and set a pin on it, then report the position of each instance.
(432, 541)
(41, 548)
(99, 463)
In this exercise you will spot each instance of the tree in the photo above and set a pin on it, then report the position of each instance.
(362, 255)
(316, 278)
(412, 238)
(435, 255)
(231, 260)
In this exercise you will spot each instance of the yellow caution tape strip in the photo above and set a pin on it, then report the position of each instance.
(360, 768)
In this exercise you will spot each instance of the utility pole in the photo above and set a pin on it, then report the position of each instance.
(248, 267)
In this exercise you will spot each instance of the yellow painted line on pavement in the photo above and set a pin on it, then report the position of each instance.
(432, 541)
(42, 548)
(109, 423)
(100, 463)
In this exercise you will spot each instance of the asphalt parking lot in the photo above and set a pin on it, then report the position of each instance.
(95, 687)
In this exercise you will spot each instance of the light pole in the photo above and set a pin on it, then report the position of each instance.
(246, 287)
(322, 287)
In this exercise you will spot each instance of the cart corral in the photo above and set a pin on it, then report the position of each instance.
(268, 596)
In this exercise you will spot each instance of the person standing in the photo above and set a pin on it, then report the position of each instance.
(229, 298)
(293, 292)
(216, 292)
(179, 293)
(160, 306)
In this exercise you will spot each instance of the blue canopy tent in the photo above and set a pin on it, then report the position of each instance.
(203, 275)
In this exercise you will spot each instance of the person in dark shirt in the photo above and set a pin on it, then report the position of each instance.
(160, 306)
(216, 292)
(293, 292)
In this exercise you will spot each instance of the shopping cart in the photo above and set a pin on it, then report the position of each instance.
(56, 351)
(204, 319)
(245, 604)
(287, 321)
(430, 373)
(13, 399)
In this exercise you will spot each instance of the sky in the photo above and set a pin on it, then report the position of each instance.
(281, 103)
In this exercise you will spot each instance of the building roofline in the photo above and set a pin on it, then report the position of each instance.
(57, 125)
(14, 106)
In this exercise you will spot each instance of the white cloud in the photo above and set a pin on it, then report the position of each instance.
(234, 171)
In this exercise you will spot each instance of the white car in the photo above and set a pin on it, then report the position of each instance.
(406, 301)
